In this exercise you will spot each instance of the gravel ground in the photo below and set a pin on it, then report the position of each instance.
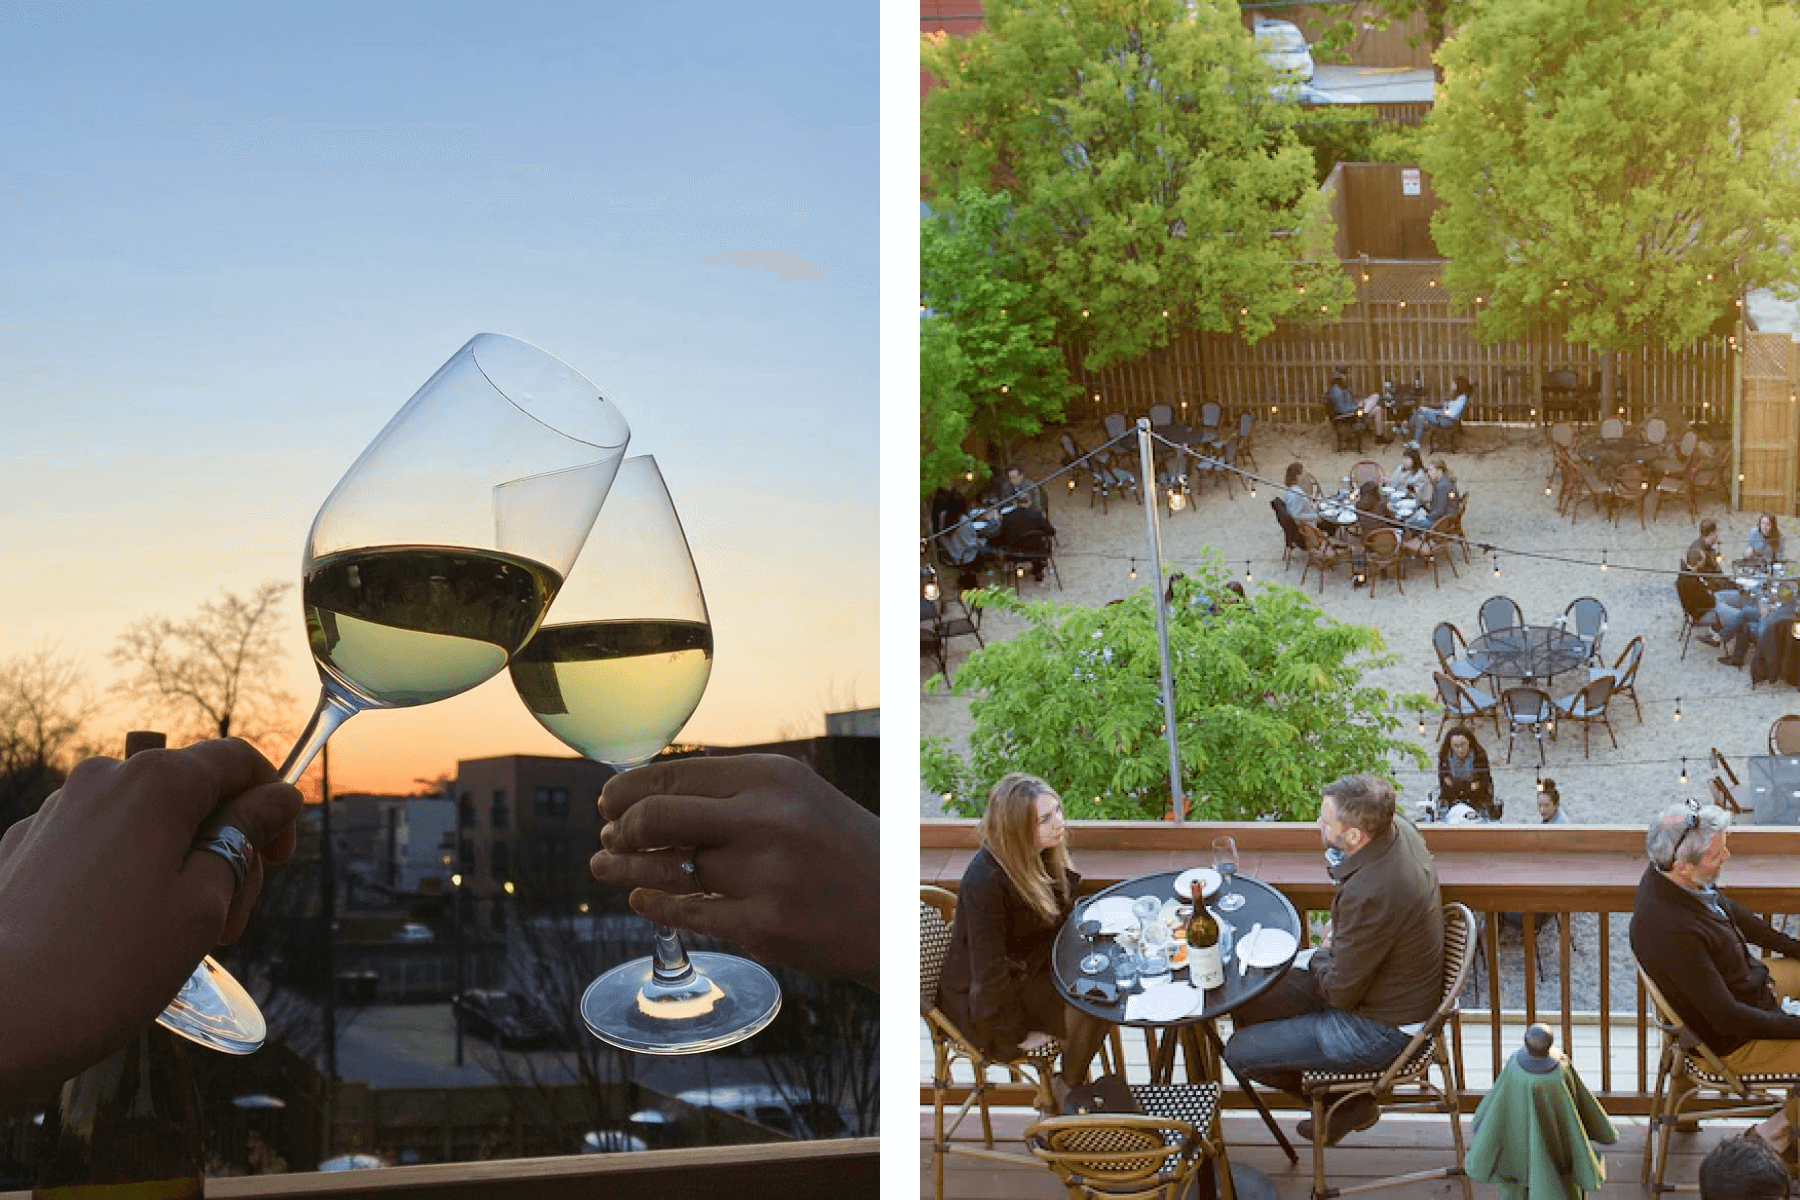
(1503, 471)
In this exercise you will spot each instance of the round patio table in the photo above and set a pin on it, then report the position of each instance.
(1262, 905)
(1527, 652)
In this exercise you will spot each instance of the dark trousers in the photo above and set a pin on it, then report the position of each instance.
(1290, 1029)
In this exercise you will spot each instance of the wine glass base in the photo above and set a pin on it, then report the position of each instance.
(1095, 963)
(1230, 902)
(615, 1010)
(214, 1010)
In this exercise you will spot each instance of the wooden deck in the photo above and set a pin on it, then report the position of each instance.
(1396, 1145)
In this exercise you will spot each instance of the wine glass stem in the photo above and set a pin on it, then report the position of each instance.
(672, 967)
(333, 710)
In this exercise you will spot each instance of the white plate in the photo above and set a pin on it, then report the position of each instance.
(1269, 948)
(1167, 1002)
(1113, 913)
(1207, 878)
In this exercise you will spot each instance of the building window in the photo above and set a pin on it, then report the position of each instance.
(465, 811)
(550, 802)
(468, 857)
(500, 813)
(499, 859)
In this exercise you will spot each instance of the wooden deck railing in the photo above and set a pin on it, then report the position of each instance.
(829, 1170)
(1559, 871)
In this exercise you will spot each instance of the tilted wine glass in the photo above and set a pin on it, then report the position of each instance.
(1225, 862)
(617, 669)
(432, 561)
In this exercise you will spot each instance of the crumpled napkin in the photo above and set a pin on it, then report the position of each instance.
(1790, 1006)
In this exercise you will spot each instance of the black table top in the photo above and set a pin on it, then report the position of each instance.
(1774, 788)
(1528, 652)
(1262, 904)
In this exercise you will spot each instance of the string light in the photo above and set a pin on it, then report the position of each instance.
(1603, 560)
(1496, 566)
(1684, 772)
(1249, 578)
(1134, 568)
(1678, 708)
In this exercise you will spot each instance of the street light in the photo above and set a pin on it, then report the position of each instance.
(456, 882)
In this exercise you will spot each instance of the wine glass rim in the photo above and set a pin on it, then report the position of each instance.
(482, 339)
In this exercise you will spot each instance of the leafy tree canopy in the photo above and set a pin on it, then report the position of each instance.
(1154, 175)
(1628, 169)
(988, 361)
(1440, 16)
(1270, 705)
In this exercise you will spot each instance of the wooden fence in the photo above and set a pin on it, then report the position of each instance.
(1370, 47)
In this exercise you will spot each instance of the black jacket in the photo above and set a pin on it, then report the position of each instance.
(1700, 961)
(997, 942)
(1477, 790)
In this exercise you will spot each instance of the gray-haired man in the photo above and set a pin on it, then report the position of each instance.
(1690, 938)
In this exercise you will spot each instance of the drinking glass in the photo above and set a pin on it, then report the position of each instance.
(616, 671)
(1094, 962)
(432, 561)
(1225, 861)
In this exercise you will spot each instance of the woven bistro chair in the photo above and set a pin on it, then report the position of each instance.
(1464, 703)
(1587, 706)
(937, 910)
(1406, 1084)
(1429, 545)
(1624, 673)
(1453, 654)
(1529, 710)
(1382, 556)
(1321, 552)
(1586, 619)
(1630, 486)
(1153, 1155)
(1784, 735)
(1500, 612)
(1686, 1075)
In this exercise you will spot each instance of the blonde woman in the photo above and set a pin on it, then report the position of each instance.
(1018, 891)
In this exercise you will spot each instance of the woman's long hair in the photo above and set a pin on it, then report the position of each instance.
(1772, 538)
(1009, 833)
(1477, 755)
(1409, 459)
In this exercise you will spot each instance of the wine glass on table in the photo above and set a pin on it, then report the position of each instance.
(1225, 862)
(1093, 962)
(432, 561)
(617, 669)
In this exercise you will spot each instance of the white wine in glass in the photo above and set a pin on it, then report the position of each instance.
(617, 669)
(432, 561)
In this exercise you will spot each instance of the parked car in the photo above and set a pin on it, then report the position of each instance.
(505, 1019)
(412, 931)
(768, 1106)
(1284, 47)
(611, 1141)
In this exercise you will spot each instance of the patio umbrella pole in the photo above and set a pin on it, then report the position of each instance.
(1149, 491)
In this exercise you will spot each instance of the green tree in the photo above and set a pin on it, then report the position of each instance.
(1441, 16)
(1269, 700)
(988, 362)
(1628, 169)
(1155, 180)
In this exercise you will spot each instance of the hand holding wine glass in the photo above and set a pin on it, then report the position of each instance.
(617, 669)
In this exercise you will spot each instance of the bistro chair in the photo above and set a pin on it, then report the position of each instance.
(1586, 618)
(1677, 484)
(1034, 551)
(1612, 429)
(1109, 1156)
(1366, 471)
(1690, 1074)
(1211, 413)
(1500, 612)
(1464, 703)
(1246, 423)
(1406, 1084)
(1587, 706)
(1221, 464)
(1784, 735)
(1697, 608)
(1723, 796)
(1123, 478)
(1591, 489)
(1568, 472)
(1454, 528)
(1528, 709)
(1624, 674)
(1724, 768)
(1562, 439)
(935, 634)
(1683, 454)
(1116, 426)
(1630, 486)
(1321, 552)
(1162, 414)
(937, 910)
(1429, 545)
(1453, 654)
(1079, 464)
(1346, 428)
(1291, 539)
(1654, 431)
(1709, 477)
(1382, 556)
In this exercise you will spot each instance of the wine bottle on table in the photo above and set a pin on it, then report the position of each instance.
(1206, 969)
(128, 1127)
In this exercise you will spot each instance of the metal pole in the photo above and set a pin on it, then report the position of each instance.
(457, 890)
(1153, 531)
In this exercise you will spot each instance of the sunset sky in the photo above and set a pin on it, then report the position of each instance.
(238, 237)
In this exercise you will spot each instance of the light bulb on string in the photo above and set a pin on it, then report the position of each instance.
(1496, 566)
(1603, 560)
(1134, 568)
(1248, 577)
(1678, 708)
(1684, 772)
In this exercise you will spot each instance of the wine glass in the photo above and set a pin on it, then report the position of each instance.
(432, 561)
(615, 672)
(1094, 962)
(1225, 861)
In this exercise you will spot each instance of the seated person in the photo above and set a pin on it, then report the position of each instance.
(1410, 476)
(1744, 1169)
(1441, 416)
(1022, 490)
(1445, 496)
(947, 508)
(1463, 774)
(1765, 540)
(1549, 804)
(1300, 506)
(1345, 406)
(1019, 889)
(1371, 514)
(963, 545)
(1377, 976)
(1690, 938)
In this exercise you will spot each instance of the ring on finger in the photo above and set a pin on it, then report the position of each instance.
(233, 845)
(691, 869)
